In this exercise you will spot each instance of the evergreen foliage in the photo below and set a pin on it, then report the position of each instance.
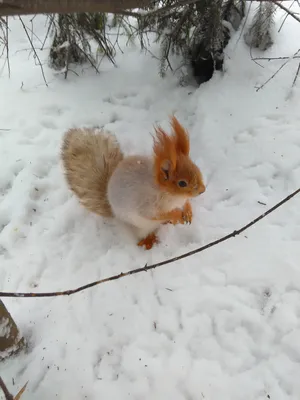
(196, 33)
(259, 34)
(72, 36)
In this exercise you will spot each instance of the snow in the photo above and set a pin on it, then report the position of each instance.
(223, 324)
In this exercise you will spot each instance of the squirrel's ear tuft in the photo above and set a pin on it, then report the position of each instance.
(164, 147)
(165, 154)
(166, 168)
(182, 141)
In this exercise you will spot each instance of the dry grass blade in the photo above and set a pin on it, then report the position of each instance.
(18, 396)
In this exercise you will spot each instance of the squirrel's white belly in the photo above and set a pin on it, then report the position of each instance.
(171, 202)
(134, 197)
(142, 227)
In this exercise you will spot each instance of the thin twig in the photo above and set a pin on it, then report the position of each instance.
(32, 33)
(33, 48)
(7, 395)
(153, 266)
(278, 70)
(90, 60)
(2, 20)
(286, 16)
(296, 75)
(48, 30)
(275, 58)
(244, 24)
(7, 48)
(286, 10)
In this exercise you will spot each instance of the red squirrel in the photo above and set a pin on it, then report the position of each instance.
(142, 192)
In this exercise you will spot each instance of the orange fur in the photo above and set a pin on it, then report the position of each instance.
(100, 176)
(164, 151)
(172, 162)
(182, 138)
(149, 241)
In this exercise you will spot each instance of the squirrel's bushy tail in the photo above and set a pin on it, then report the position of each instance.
(89, 158)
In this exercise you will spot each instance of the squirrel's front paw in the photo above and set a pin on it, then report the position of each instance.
(187, 213)
(148, 241)
(177, 217)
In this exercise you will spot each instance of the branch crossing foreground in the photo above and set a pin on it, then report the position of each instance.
(153, 266)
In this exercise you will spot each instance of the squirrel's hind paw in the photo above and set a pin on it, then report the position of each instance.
(148, 241)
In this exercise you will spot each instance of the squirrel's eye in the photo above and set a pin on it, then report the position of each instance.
(182, 183)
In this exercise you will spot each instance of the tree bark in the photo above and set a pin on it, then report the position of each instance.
(23, 7)
(11, 341)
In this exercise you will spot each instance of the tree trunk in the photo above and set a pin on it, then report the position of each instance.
(10, 340)
(22, 7)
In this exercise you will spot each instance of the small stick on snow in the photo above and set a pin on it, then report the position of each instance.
(153, 266)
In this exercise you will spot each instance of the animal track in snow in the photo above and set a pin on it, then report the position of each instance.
(48, 123)
(53, 110)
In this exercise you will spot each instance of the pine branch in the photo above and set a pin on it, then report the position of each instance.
(153, 266)
(71, 40)
(259, 33)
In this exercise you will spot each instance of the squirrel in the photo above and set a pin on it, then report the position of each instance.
(142, 192)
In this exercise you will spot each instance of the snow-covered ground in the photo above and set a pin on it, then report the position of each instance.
(221, 325)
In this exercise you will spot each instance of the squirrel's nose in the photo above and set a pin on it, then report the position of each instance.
(202, 189)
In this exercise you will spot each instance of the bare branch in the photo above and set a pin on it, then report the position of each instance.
(25, 7)
(275, 58)
(275, 73)
(153, 266)
(7, 48)
(48, 30)
(280, 5)
(33, 48)
(286, 16)
(7, 395)
(296, 75)
(4, 28)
